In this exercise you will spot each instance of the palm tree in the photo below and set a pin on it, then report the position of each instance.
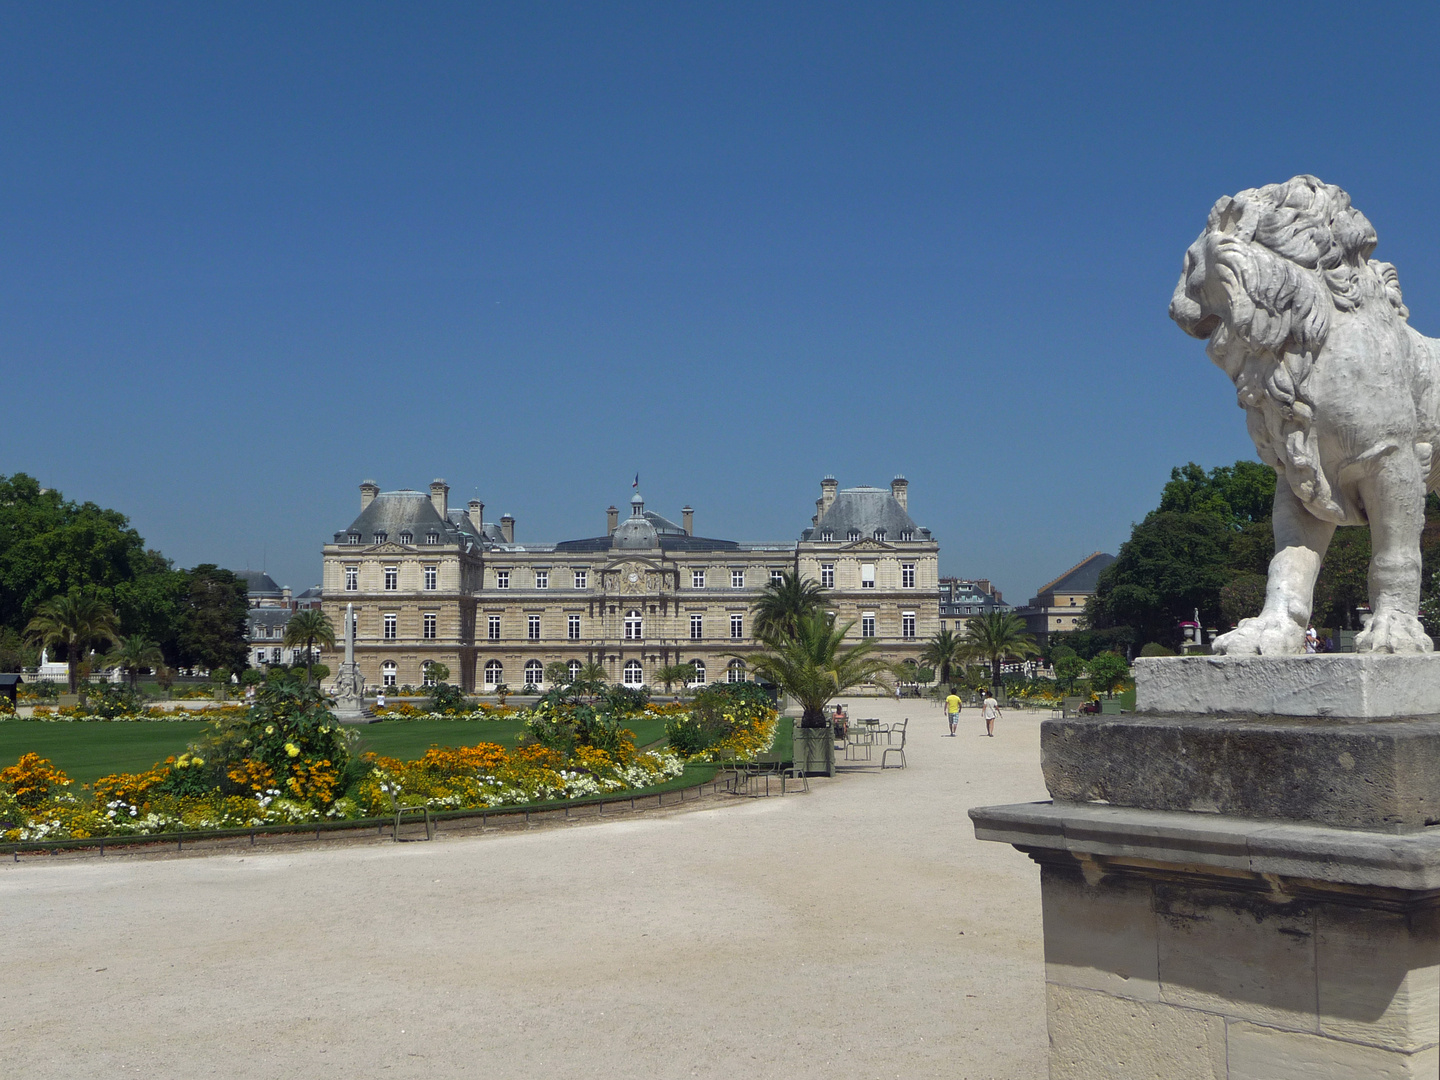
(306, 628)
(997, 636)
(946, 652)
(132, 653)
(78, 623)
(784, 603)
(683, 674)
(812, 666)
(592, 672)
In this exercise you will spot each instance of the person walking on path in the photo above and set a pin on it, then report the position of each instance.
(952, 711)
(990, 710)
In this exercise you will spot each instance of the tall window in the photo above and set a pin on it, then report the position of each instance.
(387, 672)
(735, 672)
(697, 579)
(502, 579)
(431, 619)
(777, 577)
(534, 672)
(432, 577)
(574, 668)
(634, 674)
(697, 627)
(352, 579)
(907, 625)
(582, 579)
(698, 679)
(737, 579)
(542, 579)
(275, 656)
(532, 627)
(737, 626)
(907, 575)
(867, 575)
(573, 627)
(827, 575)
(391, 623)
(427, 677)
(867, 624)
(392, 578)
(634, 626)
(494, 627)
(494, 672)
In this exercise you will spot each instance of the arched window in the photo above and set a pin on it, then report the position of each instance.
(698, 679)
(634, 674)
(494, 673)
(574, 667)
(634, 626)
(735, 672)
(534, 672)
(387, 673)
(425, 676)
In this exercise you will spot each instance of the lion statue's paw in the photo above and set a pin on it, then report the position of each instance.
(1394, 632)
(1264, 635)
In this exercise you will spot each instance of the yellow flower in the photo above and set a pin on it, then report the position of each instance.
(269, 729)
(292, 749)
(197, 761)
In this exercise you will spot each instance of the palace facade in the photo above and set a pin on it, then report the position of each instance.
(431, 583)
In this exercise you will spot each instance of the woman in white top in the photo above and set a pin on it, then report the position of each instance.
(990, 709)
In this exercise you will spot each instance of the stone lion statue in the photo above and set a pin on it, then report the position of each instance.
(1341, 396)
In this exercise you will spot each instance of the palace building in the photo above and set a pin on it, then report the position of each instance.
(435, 584)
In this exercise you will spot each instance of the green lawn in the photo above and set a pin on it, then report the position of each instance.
(86, 752)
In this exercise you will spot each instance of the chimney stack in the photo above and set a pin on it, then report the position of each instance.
(507, 528)
(819, 505)
(477, 516)
(898, 488)
(439, 498)
(368, 490)
(687, 520)
(828, 487)
(285, 597)
(612, 520)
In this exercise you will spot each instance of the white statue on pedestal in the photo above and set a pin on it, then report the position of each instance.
(1341, 396)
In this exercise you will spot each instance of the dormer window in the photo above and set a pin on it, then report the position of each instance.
(853, 535)
(381, 537)
(880, 535)
(406, 538)
(353, 538)
(827, 537)
(907, 535)
(432, 538)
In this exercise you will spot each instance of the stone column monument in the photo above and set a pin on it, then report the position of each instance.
(349, 683)
(1242, 879)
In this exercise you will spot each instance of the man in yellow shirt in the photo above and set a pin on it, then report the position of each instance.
(952, 710)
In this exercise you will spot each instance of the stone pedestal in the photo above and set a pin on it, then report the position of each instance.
(1243, 896)
(350, 705)
(814, 750)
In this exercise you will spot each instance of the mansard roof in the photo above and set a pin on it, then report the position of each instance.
(391, 513)
(258, 582)
(863, 510)
(1083, 577)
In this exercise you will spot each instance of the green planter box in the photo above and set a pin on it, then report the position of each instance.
(815, 751)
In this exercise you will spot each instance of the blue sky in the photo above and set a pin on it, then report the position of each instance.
(253, 254)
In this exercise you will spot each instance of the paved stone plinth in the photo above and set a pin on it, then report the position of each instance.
(1357, 685)
(1379, 774)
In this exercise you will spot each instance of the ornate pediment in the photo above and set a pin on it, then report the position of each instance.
(635, 576)
(867, 544)
(388, 548)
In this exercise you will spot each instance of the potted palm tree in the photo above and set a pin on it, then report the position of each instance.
(812, 664)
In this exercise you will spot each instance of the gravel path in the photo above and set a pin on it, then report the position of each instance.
(857, 931)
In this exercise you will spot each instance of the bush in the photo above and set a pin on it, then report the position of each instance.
(445, 698)
(108, 701)
(1154, 648)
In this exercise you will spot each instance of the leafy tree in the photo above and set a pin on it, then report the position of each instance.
(212, 621)
(1344, 581)
(1068, 670)
(133, 653)
(1108, 672)
(946, 653)
(997, 636)
(1242, 598)
(76, 622)
(675, 673)
(439, 673)
(1173, 564)
(783, 605)
(557, 673)
(812, 664)
(306, 628)
(1238, 495)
